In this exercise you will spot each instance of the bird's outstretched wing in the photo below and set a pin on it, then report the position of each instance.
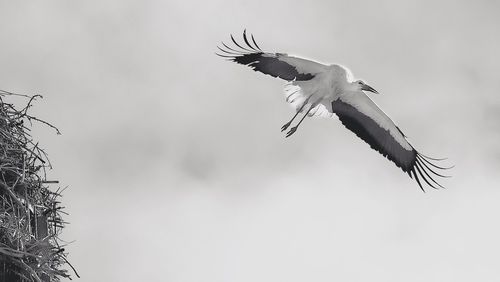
(275, 64)
(363, 117)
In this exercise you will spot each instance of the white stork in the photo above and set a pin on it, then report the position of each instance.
(324, 90)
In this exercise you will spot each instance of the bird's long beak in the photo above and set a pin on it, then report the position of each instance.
(367, 87)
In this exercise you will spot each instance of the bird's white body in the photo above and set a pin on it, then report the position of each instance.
(325, 87)
(324, 90)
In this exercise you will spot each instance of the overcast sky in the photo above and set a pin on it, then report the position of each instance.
(176, 166)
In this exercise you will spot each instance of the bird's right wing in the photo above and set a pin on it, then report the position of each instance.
(275, 64)
(363, 117)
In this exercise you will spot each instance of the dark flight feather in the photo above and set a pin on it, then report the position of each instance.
(267, 63)
(380, 139)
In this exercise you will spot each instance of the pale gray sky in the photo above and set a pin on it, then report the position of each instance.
(178, 171)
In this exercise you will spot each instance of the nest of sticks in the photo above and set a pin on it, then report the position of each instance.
(30, 212)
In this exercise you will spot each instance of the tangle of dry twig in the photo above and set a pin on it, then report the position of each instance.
(30, 212)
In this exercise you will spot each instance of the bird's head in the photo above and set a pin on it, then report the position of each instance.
(363, 86)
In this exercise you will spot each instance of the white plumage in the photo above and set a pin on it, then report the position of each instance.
(316, 89)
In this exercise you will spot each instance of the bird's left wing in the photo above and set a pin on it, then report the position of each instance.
(363, 117)
(275, 64)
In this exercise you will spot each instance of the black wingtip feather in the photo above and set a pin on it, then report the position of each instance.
(418, 181)
(224, 56)
(255, 43)
(246, 41)
(227, 52)
(424, 161)
(236, 43)
(229, 48)
(434, 159)
(428, 176)
(423, 177)
(421, 166)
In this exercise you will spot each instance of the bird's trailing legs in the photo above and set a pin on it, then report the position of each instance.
(293, 129)
(286, 125)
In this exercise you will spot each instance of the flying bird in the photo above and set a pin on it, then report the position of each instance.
(316, 89)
